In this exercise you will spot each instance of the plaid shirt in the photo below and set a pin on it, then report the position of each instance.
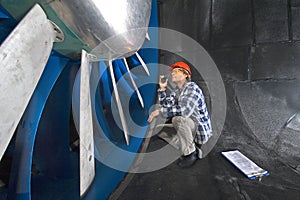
(191, 103)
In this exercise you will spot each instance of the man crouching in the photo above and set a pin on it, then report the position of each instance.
(187, 108)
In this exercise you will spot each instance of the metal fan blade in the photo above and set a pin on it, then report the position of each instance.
(143, 63)
(23, 56)
(133, 83)
(119, 106)
(87, 162)
(147, 36)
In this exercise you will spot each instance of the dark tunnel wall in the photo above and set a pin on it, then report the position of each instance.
(255, 45)
(248, 39)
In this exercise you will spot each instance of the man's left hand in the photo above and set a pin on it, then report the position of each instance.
(155, 113)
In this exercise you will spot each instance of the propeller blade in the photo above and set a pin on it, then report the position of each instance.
(147, 36)
(23, 57)
(143, 63)
(119, 106)
(86, 147)
(133, 83)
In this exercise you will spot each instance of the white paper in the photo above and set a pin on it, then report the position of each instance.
(247, 166)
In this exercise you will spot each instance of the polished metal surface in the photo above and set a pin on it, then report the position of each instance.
(118, 101)
(59, 34)
(112, 29)
(86, 152)
(133, 83)
(143, 63)
(23, 56)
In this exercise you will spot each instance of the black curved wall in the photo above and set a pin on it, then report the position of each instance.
(255, 45)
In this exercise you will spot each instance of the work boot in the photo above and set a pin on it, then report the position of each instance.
(199, 153)
(188, 160)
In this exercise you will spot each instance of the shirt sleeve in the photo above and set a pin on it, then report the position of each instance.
(188, 100)
(164, 100)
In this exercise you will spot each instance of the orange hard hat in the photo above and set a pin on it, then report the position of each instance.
(181, 65)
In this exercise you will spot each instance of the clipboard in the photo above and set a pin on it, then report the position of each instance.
(245, 165)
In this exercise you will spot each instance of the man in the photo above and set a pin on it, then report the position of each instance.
(187, 108)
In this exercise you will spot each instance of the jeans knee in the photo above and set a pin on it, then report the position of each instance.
(178, 120)
(184, 122)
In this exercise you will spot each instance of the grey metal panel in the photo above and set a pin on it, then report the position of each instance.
(23, 57)
(280, 60)
(191, 17)
(295, 2)
(288, 147)
(87, 160)
(266, 107)
(296, 23)
(231, 23)
(233, 62)
(271, 20)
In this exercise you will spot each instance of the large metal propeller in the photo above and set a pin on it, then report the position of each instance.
(24, 54)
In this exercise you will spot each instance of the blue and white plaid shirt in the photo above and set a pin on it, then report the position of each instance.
(189, 103)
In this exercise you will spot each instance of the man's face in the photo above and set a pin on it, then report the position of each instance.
(178, 75)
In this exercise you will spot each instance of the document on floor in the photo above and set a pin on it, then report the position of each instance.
(247, 166)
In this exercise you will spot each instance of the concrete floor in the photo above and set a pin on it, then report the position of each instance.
(214, 177)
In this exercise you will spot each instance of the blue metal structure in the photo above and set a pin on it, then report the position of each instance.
(43, 167)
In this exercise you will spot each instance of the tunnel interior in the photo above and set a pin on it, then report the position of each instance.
(255, 46)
